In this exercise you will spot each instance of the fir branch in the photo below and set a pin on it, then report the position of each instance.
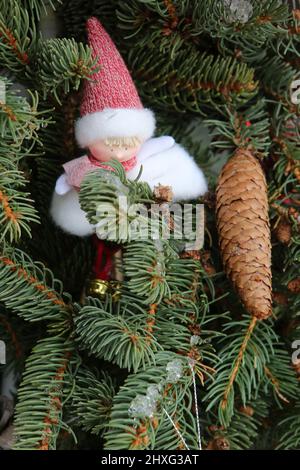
(102, 196)
(249, 129)
(19, 337)
(29, 288)
(187, 58)
(276, 77)
(40, 6)
(18, 36)
(171, 8)
(243, 430)
(11, 41)
(8, 111)
(61, 66)
(20, 123)
(289, 428)
(92, 399)
(193, 82)
(117, 333)
(190, 337)
(38, 416)
(16, 210)
(149, 271)
(241, 366)
(247, 41)
(169, 24)
(127, 432)
(281, 377)
(234, 372)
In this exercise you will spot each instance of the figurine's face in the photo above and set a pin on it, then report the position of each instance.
(105, 151)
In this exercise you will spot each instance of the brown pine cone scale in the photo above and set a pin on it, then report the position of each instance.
(244, 231)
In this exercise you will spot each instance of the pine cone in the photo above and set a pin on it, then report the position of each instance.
(218, 443)
(163, 193)
(244, 231)
(247, 410)
(193, 254)
(294, 286)
(283, 232)
(207, 263)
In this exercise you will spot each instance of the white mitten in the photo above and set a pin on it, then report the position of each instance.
(68, 215)
(61, 186)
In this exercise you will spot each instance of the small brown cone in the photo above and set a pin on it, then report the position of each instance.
(283, 232)
(163, 193)
(247, 410)
(244, 231)
(218, 443)
(294, 285)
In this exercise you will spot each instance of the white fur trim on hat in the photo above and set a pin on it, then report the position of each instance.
(119, 122)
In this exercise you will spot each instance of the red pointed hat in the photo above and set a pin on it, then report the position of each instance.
(111, 106)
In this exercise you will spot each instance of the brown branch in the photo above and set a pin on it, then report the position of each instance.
(175, 83)
(150, 322)
(21, 272)
(275, 383)
(171, 25)
(194, 86)
(264, 19)
(140, 435)
(149, 328)
(9, 38)
(8, 111)
(172, 13)
(294, 30)
(238, 362)
(10, 214)
(55, 405)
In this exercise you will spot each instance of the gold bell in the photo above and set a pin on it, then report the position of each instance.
(97, 288)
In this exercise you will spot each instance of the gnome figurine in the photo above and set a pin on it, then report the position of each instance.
(114, 124)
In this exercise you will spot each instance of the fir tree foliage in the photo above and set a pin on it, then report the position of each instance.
(88, 363)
